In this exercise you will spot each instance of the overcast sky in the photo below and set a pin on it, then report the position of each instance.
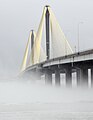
(18, 17)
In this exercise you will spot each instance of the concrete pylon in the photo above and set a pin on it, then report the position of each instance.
(91, 77)
(57, 77)
(47, 33)
(68, 77)
(48, 76)
(78, 77)
(84, 77)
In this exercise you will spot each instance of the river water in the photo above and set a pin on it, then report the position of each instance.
(20, 100)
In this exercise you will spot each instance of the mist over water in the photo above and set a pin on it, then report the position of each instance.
(27, 100)
(21, 91)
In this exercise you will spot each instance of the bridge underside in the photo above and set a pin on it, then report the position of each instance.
(83, 72)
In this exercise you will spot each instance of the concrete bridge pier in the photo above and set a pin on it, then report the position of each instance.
(48, 76)
(78, 77)
(84, 76)
(68, 77)
(57, 77)
(91, 77)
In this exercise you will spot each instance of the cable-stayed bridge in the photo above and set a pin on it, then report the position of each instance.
(49, 52)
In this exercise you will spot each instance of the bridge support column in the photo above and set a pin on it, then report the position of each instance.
(91, 77)
(68, 77)
(48, 77)
(84, 77)
(78, 77)
(57, 77)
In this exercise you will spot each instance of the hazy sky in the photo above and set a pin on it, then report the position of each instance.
(18, 17)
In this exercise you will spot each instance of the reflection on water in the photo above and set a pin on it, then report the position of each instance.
(20, 100)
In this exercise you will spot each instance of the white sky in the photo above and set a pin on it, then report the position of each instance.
(18, 17)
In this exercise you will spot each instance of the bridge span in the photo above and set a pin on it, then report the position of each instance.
(55, 55)
(78, 63)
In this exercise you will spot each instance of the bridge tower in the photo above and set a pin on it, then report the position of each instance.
(48, 72)
(47, 33)
(32, 44)
(32, 39)
(29, 47)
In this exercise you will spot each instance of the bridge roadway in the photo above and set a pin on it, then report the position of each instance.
(77, 62)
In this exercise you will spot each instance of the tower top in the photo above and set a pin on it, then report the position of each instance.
(47, 6)
(32, 30)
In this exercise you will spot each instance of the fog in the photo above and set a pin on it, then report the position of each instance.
(22, 92)
(26, 100)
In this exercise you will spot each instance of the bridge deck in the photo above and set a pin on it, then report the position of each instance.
(76, 57)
